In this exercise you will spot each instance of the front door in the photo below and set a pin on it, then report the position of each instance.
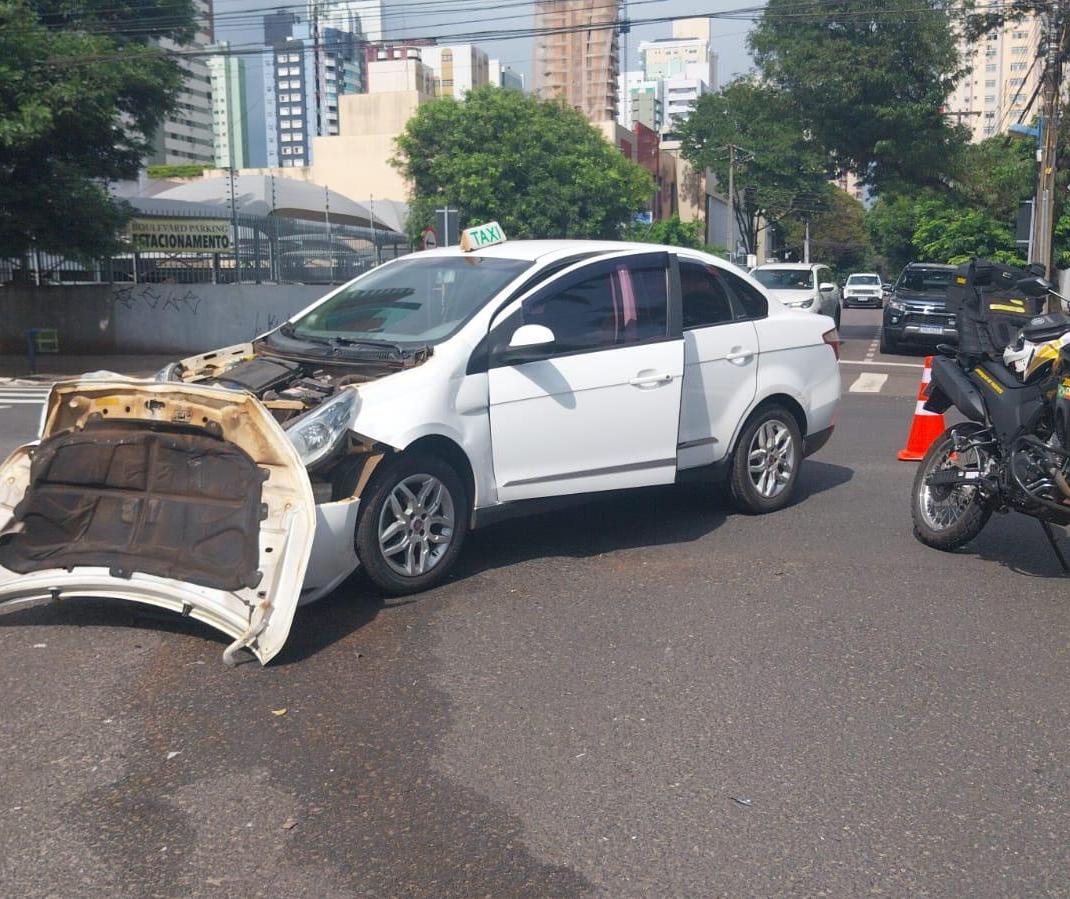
(598, 408)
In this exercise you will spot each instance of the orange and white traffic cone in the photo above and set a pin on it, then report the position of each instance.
(926, 426)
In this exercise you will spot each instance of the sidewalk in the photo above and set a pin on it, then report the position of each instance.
(58, 367)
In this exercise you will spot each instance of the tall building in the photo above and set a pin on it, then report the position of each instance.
(684, 64)
(641, 101)
(186, 136)
(305, 81)
(230, 132)
(576, 55)
(1000, 80)
(358, 16)
(502, 76)
(458, 68)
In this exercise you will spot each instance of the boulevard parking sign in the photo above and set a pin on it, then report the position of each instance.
(180, 235)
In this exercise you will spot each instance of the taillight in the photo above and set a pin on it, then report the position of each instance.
(832, 338)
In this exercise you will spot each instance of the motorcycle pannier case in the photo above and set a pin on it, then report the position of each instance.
(989, 308)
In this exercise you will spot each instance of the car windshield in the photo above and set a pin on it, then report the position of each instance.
(857, 280)
(785, 278)
(929, 280)
(416, 300)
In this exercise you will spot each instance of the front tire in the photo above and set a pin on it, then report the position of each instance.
(413, 521)
(947, 518)
(765, 465)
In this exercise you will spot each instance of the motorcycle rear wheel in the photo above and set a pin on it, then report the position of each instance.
(946, 518)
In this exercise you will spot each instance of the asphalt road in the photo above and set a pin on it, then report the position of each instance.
(646, 696)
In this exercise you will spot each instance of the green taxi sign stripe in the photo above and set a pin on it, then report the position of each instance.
(480, 236)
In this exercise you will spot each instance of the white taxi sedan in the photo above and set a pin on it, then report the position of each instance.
(434, 394)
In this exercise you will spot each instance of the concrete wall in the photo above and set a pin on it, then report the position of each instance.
(148, 318)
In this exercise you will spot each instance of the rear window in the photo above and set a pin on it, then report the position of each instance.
(785, 278)
(929, 280)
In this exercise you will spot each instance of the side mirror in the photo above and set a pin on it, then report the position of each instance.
(1035, 287)
(826, 287)
(527, 336)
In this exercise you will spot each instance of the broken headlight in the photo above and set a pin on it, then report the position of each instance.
(316, 434)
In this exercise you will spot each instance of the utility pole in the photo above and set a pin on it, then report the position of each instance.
(735, 155)
(806, 243)
(1044, 207)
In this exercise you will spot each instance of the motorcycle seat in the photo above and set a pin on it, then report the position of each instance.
(1041, 328)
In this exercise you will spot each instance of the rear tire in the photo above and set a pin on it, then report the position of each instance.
(888, 345)
(766, 462)
(946, 518)
(413, 521)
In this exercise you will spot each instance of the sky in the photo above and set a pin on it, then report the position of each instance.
(418, 18)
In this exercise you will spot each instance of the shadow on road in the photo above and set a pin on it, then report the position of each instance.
(1018, 544)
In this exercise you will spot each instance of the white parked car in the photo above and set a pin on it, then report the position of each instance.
(434, 394)
(863, 290)
(802, 285)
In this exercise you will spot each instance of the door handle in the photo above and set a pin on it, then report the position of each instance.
(740, 356)
(651, 379)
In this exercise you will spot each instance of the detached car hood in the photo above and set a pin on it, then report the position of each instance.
(179, 496)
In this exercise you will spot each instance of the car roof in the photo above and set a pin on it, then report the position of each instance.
(534, 250)
(938, 266)
(792, 266)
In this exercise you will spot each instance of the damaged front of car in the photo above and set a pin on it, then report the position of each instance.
(228, 489)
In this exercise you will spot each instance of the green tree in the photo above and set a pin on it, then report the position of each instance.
(952, 233)
(784, 172)
(869, 79)
(81, 94)
(671, 231)
(838, 234)
(536, 166)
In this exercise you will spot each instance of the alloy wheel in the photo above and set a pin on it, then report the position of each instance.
(771, 458)
(416, 524)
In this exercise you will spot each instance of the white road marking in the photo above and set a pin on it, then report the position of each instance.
(868, 382)
(882, 364)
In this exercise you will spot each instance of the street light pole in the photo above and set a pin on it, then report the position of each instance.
(1044, 206)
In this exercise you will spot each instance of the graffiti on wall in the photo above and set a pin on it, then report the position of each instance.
(182, 300)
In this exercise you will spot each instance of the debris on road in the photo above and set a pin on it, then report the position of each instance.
(278, 713)
(173, 753)
(289, 824)
(739, 801)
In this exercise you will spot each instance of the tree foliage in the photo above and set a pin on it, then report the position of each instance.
(838, 235)
(785, 172)
(81, 95)
(536, 166)
(869, 79)
(671, 231)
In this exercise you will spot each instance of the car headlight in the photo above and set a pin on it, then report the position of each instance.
(895, 304)
(318, 433)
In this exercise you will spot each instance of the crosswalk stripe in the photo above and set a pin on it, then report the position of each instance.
(868, 382)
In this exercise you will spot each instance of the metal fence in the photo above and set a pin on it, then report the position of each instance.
(267, 249)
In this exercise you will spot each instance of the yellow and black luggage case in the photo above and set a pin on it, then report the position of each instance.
(989, 308)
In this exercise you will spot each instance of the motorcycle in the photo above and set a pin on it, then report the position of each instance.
(1013, 450)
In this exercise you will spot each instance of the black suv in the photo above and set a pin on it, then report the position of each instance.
(916, 312)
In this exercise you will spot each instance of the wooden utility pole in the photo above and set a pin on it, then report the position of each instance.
(1044, 207)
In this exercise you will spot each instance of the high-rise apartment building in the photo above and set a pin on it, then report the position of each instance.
(305, 80)
(685, 66)
(641, 101)
(185, 136)
(230, 132)
(1000, 80)
(458, 68)
(576, 55)
(358, 16)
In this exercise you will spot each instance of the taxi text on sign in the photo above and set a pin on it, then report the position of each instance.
(482, 236)
(180, 235)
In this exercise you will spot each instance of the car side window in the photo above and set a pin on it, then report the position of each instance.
(702, 290)
(619, 303)
(750, 304)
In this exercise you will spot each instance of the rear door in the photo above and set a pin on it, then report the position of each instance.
(720, 363)
(599, 408)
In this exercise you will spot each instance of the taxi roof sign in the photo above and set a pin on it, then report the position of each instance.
(481, 236)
